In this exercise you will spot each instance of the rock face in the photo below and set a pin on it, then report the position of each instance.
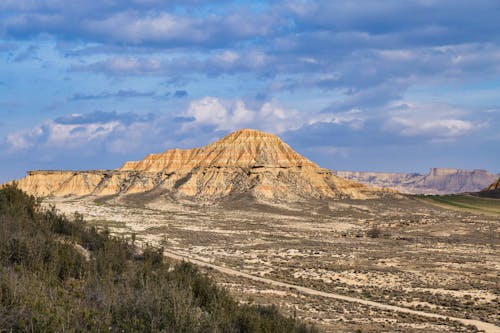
(494, 186)
(246, 162)
(492, 191)
(437, 181)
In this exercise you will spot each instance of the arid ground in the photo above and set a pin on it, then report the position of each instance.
(406, 252)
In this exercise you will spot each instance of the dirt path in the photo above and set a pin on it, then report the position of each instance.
(484, 326)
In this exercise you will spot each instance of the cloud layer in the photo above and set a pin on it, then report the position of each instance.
(336, 78)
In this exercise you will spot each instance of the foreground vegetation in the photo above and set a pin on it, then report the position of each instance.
(465, 202)
(60, 275)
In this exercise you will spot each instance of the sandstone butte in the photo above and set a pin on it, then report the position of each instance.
(245, 162)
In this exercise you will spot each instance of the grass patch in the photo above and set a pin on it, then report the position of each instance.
(464, 202)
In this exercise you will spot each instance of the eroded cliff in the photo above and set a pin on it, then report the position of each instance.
(244, 162)
(437, 181)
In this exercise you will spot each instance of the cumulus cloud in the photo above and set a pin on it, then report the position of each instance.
(440, 128)
(150, 23)
(59, 136)
(213, 64)
(296, 45)
(432, 121)
(400, 124)
(137, 29)
(94, 130)
(118, 133)
(346, 69)
(100, 133)
(226, 115)
(24, 139)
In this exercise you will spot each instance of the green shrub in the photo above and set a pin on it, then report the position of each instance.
(47, 285)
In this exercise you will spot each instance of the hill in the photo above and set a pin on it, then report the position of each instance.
(58, 275)
(437, 181)
(244, 163)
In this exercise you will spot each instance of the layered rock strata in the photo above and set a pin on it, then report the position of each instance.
(244, 162)
(437, 181)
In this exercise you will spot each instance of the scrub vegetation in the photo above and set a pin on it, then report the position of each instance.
(61, 275)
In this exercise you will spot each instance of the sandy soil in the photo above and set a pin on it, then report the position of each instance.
(422, 258)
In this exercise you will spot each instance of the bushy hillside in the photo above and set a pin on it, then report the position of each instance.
(58, 275)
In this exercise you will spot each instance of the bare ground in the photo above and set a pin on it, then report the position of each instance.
(399, 252)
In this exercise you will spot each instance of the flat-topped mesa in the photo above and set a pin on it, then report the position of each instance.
(173, 160)
(437, 172)
(437, 181)
(246, 162)
(242, 149)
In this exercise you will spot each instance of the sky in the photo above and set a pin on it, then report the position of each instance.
(360, 85)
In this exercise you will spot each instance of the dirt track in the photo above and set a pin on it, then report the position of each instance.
(484, 326)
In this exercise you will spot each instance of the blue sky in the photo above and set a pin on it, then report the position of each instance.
(353, 85)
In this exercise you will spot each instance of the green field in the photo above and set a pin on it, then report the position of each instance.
(465, 202)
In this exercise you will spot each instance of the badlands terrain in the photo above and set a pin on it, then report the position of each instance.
(402, 252)
(436, 181)
(273, 227)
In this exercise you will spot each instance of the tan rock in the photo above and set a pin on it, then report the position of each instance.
(244, 162)
(437, 181)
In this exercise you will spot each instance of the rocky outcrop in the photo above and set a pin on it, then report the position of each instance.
(495, 186)
(246, 162)
(437, 181)
(491, 191)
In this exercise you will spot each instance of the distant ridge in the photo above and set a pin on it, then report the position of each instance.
(437, 181)
(246, 162)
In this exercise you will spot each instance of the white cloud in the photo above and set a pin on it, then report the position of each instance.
(353, 118)
(227, 56)
(70, 134)
(445, 128)
(137, 29)
(434, 121)
(56, 135)
(24, 139)
(235, 114)
(110, 131)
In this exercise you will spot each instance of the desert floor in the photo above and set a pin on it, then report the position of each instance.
(402, 252)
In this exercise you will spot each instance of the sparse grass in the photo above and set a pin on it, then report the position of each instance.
(425, 256)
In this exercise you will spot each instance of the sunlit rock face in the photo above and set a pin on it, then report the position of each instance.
(437, 181)
(246, 162)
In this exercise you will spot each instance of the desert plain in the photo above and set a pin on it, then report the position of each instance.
(401, 252)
